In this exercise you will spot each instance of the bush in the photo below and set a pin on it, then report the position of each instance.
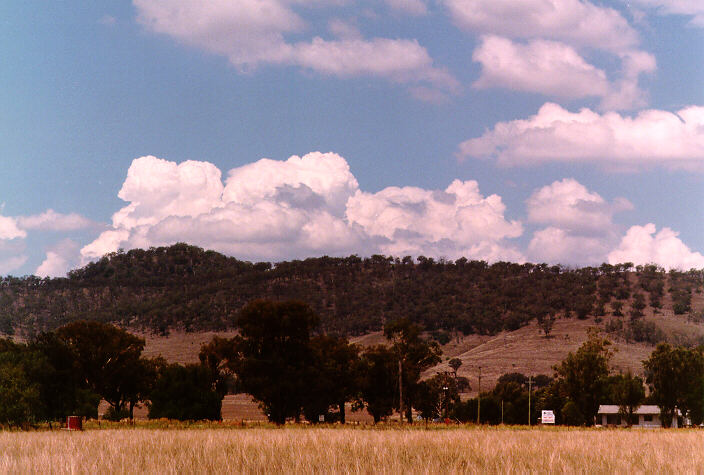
(116, 415)
(185, 393)
(571, 415)
(644, 331)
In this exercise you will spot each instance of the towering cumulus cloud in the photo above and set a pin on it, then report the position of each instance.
(579, 223)
(301, 207)
(644, 245)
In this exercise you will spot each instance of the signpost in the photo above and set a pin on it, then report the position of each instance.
(547, 417)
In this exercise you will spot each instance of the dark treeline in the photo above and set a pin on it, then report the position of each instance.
(276, 357)
(296, 372)
(185, 287)
(69, 370)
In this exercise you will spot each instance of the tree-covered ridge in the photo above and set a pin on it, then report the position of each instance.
(183, 286)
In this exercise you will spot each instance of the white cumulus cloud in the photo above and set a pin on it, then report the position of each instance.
(555, 245)
(9, 228)
(545, 67)
(556, 69)
(12, 255)
(580, 227)
(304, 206)
(645, 245)
(570, 205)
(577, 22)
(253, 33)
(451, 223)
(59, 259)
(50, 220)
(614, 141)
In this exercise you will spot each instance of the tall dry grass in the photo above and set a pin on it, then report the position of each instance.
(347, 450)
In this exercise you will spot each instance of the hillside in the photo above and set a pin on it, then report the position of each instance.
(184, 288)
(502, 317)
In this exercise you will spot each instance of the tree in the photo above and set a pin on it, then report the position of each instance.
(628, 393)
(546, 322)
(437, 396)
(274, 354)
(515, 401)
(455, 364)
(674, 376)
(220, 355)
(107, 359)
(19, 396)
(414, 354)
(378, 374)
(63, 390)
(185, 393)
(332, 379)
(583, 376)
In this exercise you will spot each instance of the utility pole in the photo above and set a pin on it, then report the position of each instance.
(400, 390)
(530, 387)
(479, 397)
(445, 389)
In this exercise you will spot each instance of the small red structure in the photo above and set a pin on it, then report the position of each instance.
(74, 423)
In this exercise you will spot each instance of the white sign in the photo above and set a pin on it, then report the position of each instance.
(548, 417)
(321, 418)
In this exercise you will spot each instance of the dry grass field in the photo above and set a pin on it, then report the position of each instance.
(353, 450)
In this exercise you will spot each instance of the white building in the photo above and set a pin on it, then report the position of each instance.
(648, 417)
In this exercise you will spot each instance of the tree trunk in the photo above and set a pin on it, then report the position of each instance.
(409, 414)
(342, 411)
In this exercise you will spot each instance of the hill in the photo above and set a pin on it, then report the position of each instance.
(502, 317)
(186, 288)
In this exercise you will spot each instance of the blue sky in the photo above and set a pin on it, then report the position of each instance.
(541, 130)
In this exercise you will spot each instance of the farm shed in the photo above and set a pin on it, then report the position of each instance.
(648, 416)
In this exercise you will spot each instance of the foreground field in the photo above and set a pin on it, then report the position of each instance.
(353, 450)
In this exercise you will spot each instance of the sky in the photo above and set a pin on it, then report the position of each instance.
(558, 131)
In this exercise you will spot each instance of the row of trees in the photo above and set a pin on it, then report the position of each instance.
(293, 371)
(68, 371)
(278, 358)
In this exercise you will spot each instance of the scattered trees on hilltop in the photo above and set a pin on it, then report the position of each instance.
(185, 287)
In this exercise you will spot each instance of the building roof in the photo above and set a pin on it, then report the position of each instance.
(645, 409)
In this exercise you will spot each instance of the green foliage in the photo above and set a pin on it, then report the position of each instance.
(628, 393)
(378, 381)
(582, 378)
(572, 415)
(331, 378)
(275, 355)
(455, 364)
(185, 393)
(64, 390)
(109, 360)
(546, 322)
(436, 397)
(19, 396)
(415, 355)
(185, 287)
(674, 376)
